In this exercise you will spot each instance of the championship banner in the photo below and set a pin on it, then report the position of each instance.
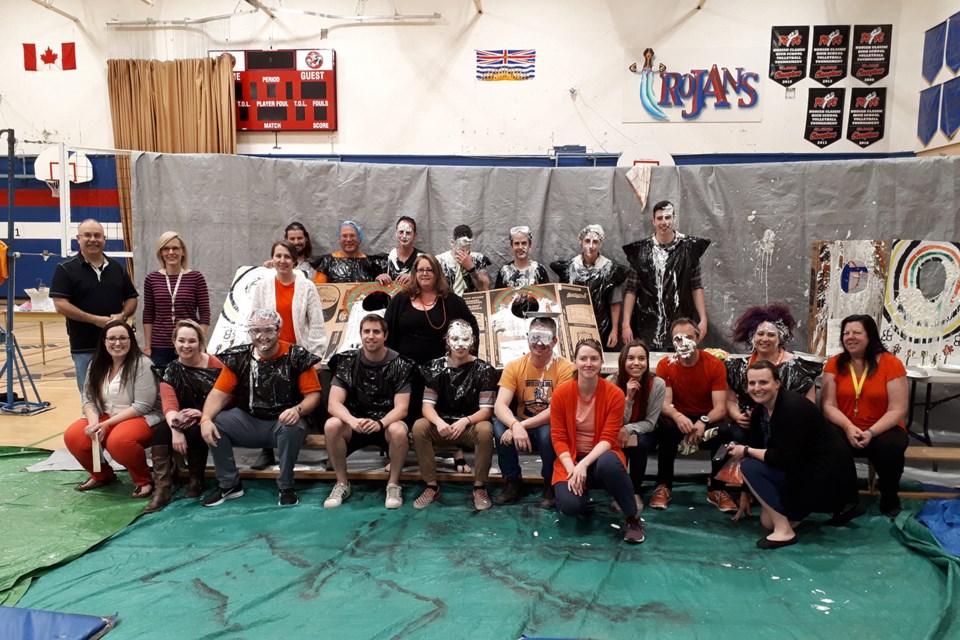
(934, 43)
(824, 116)
(953, 43)
(499, 314)
(950, 108)
(831, 52)
(788, 54)
(928, 113)
(871, 52)
(868, 108)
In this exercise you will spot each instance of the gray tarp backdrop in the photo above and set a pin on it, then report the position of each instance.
(762, 218)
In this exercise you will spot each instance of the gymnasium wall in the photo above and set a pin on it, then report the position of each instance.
(411, 88)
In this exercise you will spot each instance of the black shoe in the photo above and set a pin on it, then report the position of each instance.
(548, 499)
(288, 497)
(511, 493)
(890, 505)
(841, 518)
(219, 496)
(767, 543)
(264, 460)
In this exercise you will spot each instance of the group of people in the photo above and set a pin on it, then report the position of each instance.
(416, 376)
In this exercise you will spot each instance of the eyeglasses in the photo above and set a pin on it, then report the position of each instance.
(92, 236)
(424, 270)
(171, 249)
(262, 331)
(112, 339)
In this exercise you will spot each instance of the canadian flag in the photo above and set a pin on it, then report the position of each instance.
(64, 57)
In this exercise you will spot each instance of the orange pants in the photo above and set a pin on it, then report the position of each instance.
(126, 442)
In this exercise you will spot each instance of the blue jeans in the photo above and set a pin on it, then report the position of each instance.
(81, 362)
(509, 460)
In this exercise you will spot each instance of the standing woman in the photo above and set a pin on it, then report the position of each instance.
(644, 393)
(173, 293)
(795, 463)
(586, 414)
(296, 300)
(865, 394)
(184, 385)
(120, 410)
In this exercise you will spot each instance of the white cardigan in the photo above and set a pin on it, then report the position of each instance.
(308, 324)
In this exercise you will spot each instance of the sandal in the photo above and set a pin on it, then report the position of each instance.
(144, 491)
(461, 465)
(92, 483)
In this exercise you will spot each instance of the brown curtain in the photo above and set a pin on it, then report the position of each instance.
(179, 106)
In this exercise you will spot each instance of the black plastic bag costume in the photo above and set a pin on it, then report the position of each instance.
(796, 375)
(370, 389)
(341, 270)
(266, 388)
(663, 296)
(192, 384)
(458, 388)
(602, 281)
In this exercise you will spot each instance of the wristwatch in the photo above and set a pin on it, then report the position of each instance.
(704, 419)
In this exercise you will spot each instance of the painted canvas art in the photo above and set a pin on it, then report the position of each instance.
(921, 305)
(847, 277)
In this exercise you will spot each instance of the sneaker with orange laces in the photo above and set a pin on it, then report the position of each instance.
(722, 501)
(661, 497)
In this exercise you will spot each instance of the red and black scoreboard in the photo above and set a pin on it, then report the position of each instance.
(285, 89)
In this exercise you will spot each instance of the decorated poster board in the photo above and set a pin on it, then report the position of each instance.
(847, 277)
(499, 314)
(921, 303)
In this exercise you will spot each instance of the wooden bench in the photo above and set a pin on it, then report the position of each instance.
(931, 455)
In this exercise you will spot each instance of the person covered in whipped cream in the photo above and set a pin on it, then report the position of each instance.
(522, 271)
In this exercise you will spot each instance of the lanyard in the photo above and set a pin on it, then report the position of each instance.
(173, 295)
(858, 386)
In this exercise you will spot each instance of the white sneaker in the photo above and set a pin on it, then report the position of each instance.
(394, 499)
(341, 491)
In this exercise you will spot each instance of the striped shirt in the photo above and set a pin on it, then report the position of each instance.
(192, 303)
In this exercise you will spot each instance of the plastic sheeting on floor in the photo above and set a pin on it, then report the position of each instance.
(942, 518)
(249, 569)
(30, 624)
(44, 522)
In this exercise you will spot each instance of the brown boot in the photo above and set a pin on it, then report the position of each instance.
(197, 465)
(510, 494)
(162, 478)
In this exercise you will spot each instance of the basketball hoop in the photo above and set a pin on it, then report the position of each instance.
(54, 187)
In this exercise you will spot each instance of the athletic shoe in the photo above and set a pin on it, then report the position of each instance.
(394, 499)
(219, 496)
(427, 497)
(341, 491)
(288, 497)
(722, 500)
(634, 533)
(481, 499)
(661, 497)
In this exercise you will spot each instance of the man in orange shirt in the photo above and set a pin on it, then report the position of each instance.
(695, 401)
(270, 413)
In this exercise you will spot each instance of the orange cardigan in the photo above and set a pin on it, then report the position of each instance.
(608, 418)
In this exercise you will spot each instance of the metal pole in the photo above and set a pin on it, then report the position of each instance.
(11, 263)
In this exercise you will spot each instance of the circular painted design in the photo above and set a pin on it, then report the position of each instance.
(911, 315)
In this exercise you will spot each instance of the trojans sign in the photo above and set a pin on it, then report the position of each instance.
(714, 85)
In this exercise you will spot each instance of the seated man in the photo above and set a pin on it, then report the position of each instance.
(530, 379)
(457, 407)
(522, 271)
(349, 264)
(695, 401)
(463, 267)
(369, 398)
(270, 413)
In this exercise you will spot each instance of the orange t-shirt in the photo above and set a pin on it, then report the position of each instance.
(693, 387)
(308, 380)
(873, 397)
(284, 301)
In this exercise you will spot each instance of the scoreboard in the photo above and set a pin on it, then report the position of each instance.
(285, 89)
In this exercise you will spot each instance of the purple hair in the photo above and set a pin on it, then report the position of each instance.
(776, 313)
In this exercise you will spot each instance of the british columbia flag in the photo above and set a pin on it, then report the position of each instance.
(506, 64)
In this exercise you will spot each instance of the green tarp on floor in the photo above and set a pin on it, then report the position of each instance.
(249, 569)
(43, 521)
